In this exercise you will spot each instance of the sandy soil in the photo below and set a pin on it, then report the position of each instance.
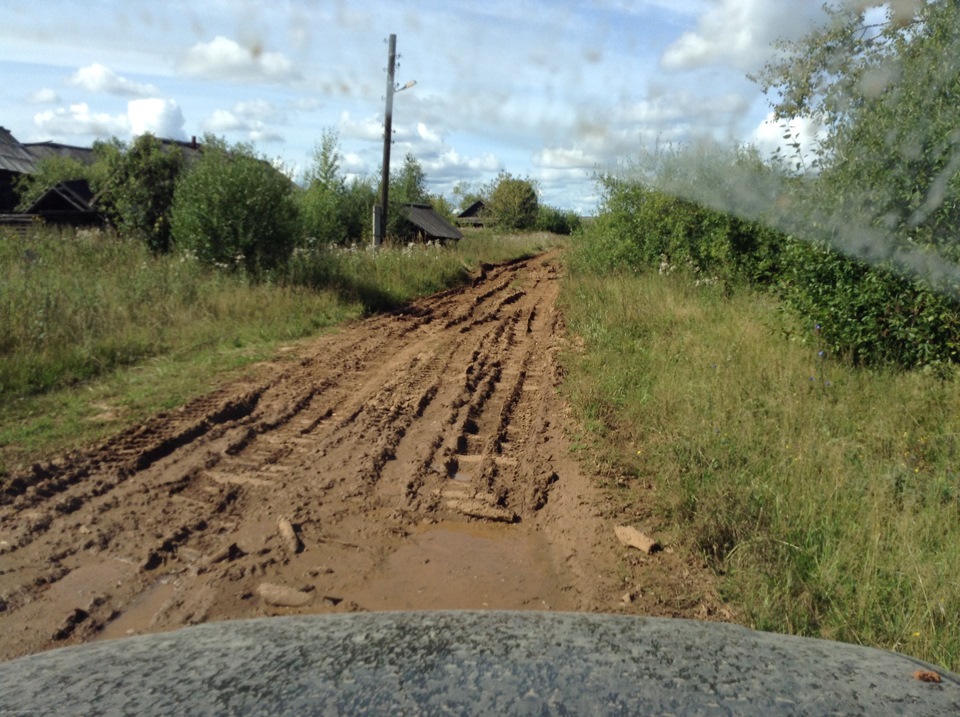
(419, 460)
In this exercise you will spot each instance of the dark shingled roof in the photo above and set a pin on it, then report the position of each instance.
(13, 156)
(426, 218)
(43, 150)
(72, 195)
(474, 210)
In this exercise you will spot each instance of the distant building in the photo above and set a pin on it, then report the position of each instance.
(430, 225)
(68, 202)
(474, 215)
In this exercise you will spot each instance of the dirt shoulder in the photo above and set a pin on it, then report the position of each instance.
(419, 460)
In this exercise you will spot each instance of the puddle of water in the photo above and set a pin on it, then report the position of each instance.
(466, 566)
(139, 615)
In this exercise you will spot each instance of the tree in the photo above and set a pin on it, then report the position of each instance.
(357, 204)
(513, 202)
(235, 210)
(887, 187)
(135, 185)
(885, 95)
(466, 195)
(321, 203)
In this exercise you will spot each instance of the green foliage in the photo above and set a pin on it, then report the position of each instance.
(557, 221)
(880, 215)
(49, 172)
(868, 313)
(356, 208)
(443, 206)
(333, 210)
(135, 184)
(885, 97)
(234, 210)
(513, 202)
(871, 312)
(321, 202)
(467, 194)
(826, 496)
(642, 226)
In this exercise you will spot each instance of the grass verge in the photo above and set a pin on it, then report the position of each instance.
(827, 497)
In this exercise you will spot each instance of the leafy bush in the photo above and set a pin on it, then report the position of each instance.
(234, 209)
(513, 202)
(321, 201)
(557, 221)
(641, 226)
(135, 184)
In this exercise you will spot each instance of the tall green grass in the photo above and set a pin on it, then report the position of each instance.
(76, 305)
(828, 497)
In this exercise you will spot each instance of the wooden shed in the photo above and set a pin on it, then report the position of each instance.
(69, 202)
(430, 225)
(474, 215)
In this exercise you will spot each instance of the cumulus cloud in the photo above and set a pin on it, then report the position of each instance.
(739, 33)
(564, 158)
(450, 164)
(252, 118)
(370, 128)
(43, 96)
(98, 78)
(224, 59)
(162, 118)
(79, 120)
(428, 135)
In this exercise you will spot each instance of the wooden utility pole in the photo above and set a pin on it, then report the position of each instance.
(380, 227)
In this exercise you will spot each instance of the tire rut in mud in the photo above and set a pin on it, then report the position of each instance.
(442, 415)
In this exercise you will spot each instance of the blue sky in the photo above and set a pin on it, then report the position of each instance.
(551, 90)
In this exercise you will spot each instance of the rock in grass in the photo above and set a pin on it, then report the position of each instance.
(633, 538)
(282, 596)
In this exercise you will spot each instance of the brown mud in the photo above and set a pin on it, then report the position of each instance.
(417, 460)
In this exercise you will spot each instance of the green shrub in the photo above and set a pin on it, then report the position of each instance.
(233, 209)
(556, 221)
(135, 185)
(513, 202)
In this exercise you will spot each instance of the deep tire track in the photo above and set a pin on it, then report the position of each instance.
(423, 417)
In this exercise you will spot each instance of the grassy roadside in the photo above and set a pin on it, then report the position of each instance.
(827, 497)
(97, 333)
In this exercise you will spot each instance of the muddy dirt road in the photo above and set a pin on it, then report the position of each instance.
(414, 461)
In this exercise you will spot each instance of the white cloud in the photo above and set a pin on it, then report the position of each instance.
(369, 128)
(249, 117)
(162, 118)
(79, 120)
(564, 158)
(450, 162)
(98, 78)
(43, 96)
(740, 33)
(428, 135)
(223, 121)
(260, 110)
(265, 136)
(224, 59)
